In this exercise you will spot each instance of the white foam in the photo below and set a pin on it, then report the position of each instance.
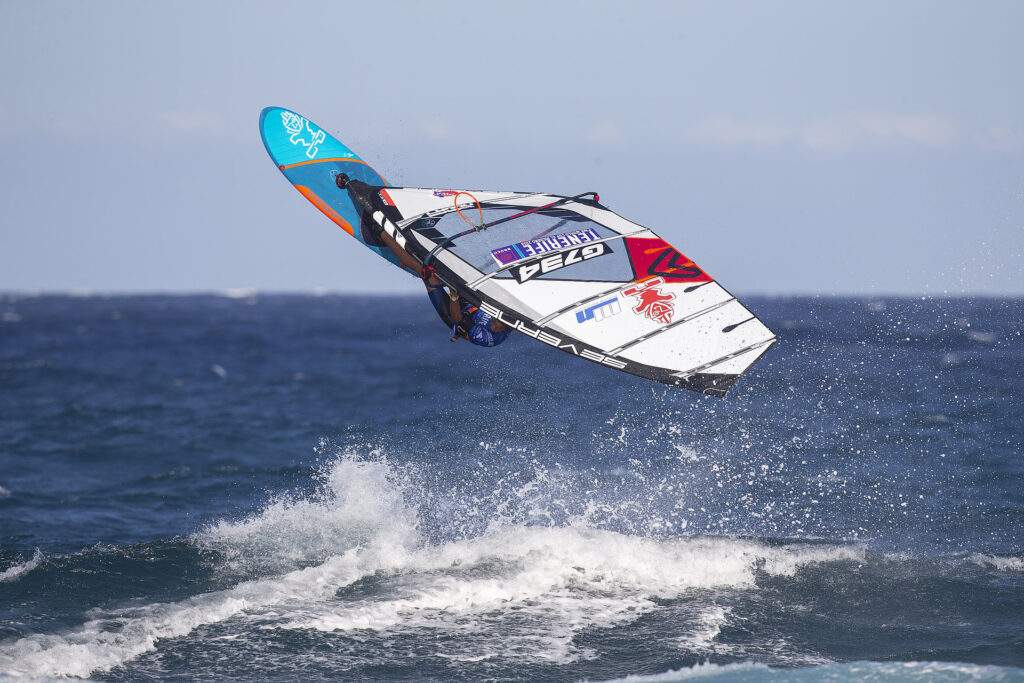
(17, 571)
(239, 293)
(982, 337)
(560, 581)
(1004, 564)
(520, 591)
(556, 580)
(789, 559)
(700, 670)
(707, 627)
(115, 638)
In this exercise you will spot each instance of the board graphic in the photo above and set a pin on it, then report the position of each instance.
(311, 158)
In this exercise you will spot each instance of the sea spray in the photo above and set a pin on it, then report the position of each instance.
(355, 503)
(19, 569)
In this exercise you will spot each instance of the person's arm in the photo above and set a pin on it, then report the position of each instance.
(405, 258)
(455, 307)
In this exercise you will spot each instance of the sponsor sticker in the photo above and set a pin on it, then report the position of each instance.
(600, 310)
(543, 245)
(651, 302)
(445, 193)
(560, 259)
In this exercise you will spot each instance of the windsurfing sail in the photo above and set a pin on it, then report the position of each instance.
(575, 275)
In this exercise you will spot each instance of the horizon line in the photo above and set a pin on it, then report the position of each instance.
(250, 292)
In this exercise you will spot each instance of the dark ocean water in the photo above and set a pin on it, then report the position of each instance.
(296, 487)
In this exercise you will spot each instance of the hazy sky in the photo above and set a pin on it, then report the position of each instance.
(813, 147)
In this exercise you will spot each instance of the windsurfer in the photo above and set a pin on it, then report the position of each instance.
(465, 320)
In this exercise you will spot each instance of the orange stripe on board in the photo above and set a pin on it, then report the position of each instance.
(325, 209)
(320, 161)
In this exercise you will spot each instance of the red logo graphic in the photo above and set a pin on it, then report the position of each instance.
(658, 257)
(651, 301)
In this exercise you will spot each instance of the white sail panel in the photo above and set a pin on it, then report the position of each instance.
(600, 324)
(740, 363)
(693, 345)
(541, 297)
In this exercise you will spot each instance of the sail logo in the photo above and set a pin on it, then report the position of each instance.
(543, 245)
(651, 302)
(540, 334)
(559, 260)
(297, 127)
(599, 311)
(659, 258)
(670, 263)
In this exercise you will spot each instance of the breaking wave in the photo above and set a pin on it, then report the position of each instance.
(1006, 564)
(353, 557)
(16, 571)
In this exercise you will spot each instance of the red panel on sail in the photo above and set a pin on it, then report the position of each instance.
(657, 258)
